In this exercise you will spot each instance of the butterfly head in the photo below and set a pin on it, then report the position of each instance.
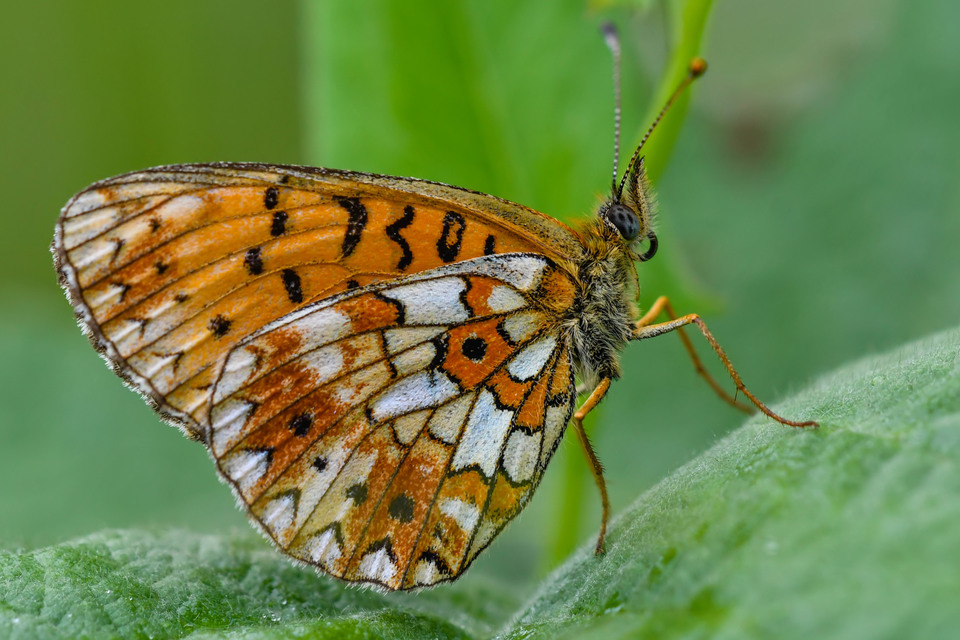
(629, 212)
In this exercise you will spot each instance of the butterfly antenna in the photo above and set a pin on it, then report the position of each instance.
(698, 67)
(612, 39)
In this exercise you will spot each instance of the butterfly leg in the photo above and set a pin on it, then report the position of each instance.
(643, 329)
(595, 467)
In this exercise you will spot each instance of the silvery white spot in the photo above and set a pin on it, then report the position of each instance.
(503, 299)
(434, 302)
(483, 436)
(465, 514)
(78, 230)
(520, 271)
(553, 424)
(377, 565)
(521, 326)
(406, 337)
(246, 467)
(447, 420)
(322, 327)
(414, 359)
(92, 253)
(425, 573)
(521, 455)
(530, 361)
(278, 515)
(324, 549)
(408, 427)
(236, 372)
(228, 420)
(485, 533)
(113, 292)
(85, 202)
(421, 390)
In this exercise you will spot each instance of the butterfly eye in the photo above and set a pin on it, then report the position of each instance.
(625, 220)
(652, 249)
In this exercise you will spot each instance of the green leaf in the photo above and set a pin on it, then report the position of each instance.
(177, 584)
(848, 531)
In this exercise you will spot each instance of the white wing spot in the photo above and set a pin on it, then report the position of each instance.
(378, 566)
(324, 549)
(464, 513)
(228, 420)
(435, 302)
(246, 467)
(530, 361)
(415, 359)
(521, 326)
(483, 436)
(503, 299)
(408, 427)
(447, 421)
(278, 515)
(406, 337)
(419, 391)
(553, 424)
(521, 455)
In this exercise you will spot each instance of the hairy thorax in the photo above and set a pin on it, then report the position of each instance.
(601, 323)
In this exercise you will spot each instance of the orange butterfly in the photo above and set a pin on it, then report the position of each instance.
(380, 367)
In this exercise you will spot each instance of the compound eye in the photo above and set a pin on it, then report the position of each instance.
(652, 249)
(625, 220)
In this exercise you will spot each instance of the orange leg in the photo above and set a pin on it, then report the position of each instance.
(643, 330)
(595, 466)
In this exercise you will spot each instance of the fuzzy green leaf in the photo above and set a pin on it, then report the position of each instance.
(849, 530)
(846, 530)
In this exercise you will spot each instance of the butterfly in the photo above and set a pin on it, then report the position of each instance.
(381, 368)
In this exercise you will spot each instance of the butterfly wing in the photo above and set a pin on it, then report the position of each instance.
(386, 435)
(170, 268)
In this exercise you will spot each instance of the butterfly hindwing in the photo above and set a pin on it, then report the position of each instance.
(386, 435)
(171, 268)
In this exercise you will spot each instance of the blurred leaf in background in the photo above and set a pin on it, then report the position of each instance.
(811, 203)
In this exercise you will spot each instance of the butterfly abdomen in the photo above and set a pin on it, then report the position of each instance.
(602, 322)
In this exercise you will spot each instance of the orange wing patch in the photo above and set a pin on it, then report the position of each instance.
(371, 433)
(173, 267)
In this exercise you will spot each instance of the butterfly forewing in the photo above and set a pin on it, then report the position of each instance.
(386, 435)
(171, 268)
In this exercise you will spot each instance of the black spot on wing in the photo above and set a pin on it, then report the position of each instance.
(357, 492)
(278, 226)
(475, 348)
(291, 282)
(320, 463)
(300, 425)
(356, 222)
(161, 267)
(489, 247)
(253, 261)
(271, 197)
(393, 232)
(401, 508)
(451, 238)
(219, 326)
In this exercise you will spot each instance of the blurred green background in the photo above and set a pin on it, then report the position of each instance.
(809, 210)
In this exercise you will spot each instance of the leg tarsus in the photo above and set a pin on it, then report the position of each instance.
(643, 330)
(595, 467)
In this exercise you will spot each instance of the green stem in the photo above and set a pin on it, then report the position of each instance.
(687, 20)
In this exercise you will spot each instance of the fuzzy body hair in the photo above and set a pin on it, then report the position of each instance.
(601, 323)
